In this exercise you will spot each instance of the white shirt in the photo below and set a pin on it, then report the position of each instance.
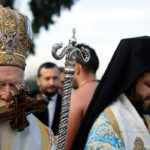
(51, 108)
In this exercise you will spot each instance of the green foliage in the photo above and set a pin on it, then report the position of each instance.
(44, 10)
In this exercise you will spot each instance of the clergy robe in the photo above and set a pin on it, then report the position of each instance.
(35, 137)
(119, 127)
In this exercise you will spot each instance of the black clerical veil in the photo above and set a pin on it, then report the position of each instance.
(130, 60)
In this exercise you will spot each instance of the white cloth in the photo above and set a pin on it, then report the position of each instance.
(51, 108)
(131, 125)
(30, 138)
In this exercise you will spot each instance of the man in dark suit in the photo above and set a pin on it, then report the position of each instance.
(48, 80)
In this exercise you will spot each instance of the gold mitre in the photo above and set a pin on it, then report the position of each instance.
(15, 37)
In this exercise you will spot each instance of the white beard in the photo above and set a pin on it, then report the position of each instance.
(6, 136)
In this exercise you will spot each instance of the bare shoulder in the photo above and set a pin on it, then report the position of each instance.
(83, 95)
(75, 97)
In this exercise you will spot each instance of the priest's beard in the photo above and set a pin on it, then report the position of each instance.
(138, 101)
(140, 104)
(6, 136)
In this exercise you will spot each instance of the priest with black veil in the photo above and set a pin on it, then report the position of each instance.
(118, 116)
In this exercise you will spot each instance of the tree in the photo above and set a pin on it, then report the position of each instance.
(43, 12)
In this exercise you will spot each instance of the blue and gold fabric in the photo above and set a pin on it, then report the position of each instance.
(102, 136)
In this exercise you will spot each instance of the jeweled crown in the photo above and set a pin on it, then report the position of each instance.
(15, 37)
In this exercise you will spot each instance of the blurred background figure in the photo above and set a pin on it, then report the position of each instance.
(48, 80)
(62, 75)
(84, 85)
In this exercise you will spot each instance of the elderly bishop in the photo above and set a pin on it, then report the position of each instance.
(15, 41)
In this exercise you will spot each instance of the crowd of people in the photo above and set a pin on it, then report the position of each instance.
(111, 113)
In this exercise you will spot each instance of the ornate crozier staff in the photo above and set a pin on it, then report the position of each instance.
(72, 54)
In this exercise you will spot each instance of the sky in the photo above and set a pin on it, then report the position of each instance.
(98, 23)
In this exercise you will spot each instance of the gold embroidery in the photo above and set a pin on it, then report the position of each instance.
(102, 136)
(46, 142)
(15, 39)
(139, 144)
(100, 145)
(113, 121)
(56, 139)
(147, 122)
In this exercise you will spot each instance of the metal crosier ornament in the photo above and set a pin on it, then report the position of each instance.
(72, 55)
